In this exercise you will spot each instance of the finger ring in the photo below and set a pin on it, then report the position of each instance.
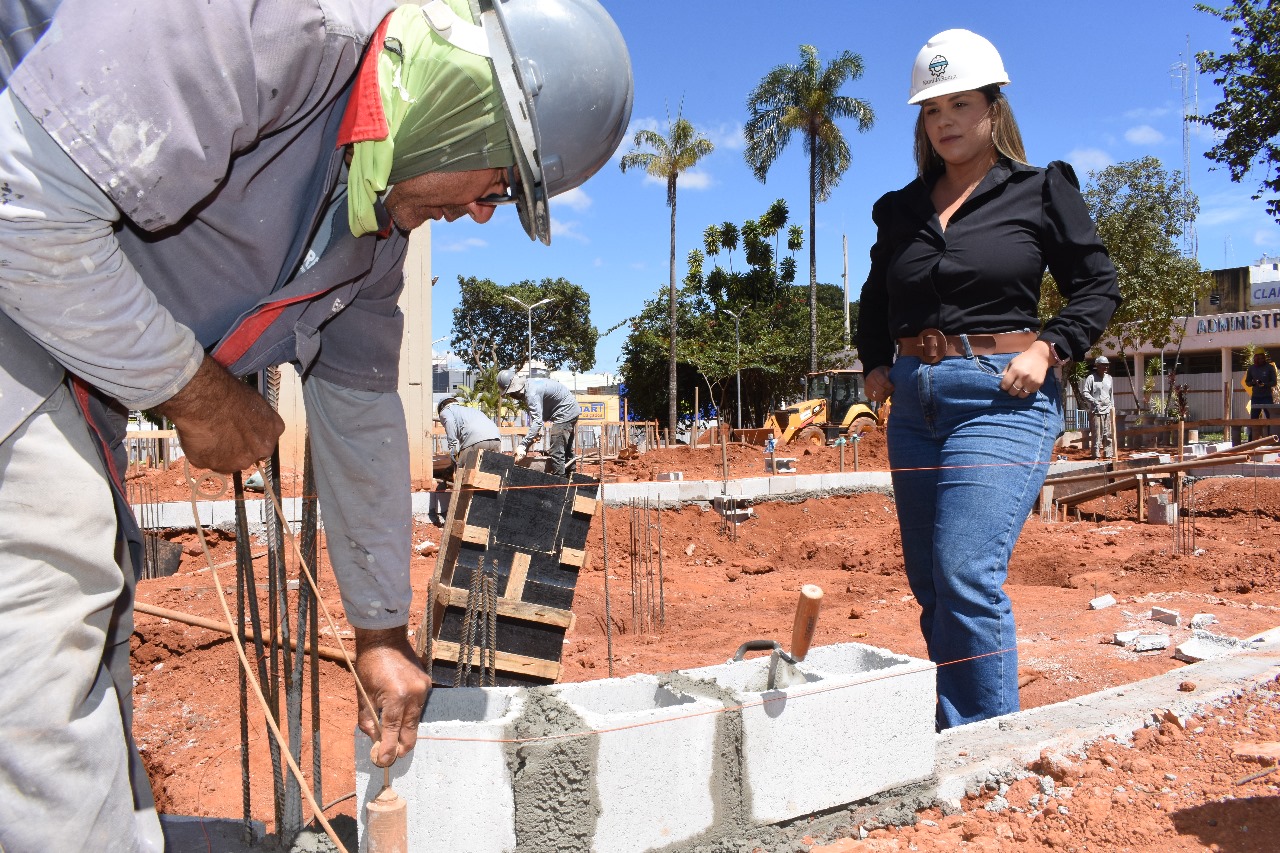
(1018, 388)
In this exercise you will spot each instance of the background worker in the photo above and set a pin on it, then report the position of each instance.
(172, 219)
(467, 431)
(1261, 379)
(955, 283)
(1100, 397)
(547, 402)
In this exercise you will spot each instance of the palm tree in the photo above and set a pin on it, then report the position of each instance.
(806, 98)
(677, 152)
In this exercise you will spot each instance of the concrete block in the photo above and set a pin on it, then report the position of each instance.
(698, 490)
(748, 487)
(1124, 638)
(652, 782)
(782, 486)
(668, 493)
(459, 793)
(1203, 620)
(808, 484)
(867, 715)
(622, 493)
(1102, 601)
(734, 509)
(1160, 510)
(1168, 617)
(1151, 642)
(780, 465)
(670, 476)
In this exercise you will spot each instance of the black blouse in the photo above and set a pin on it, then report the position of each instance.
(982, 275)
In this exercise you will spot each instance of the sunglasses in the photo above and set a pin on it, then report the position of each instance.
(511, 196)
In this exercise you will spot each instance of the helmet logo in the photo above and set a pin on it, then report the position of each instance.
(938, 65)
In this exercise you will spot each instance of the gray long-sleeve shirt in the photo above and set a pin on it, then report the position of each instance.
(464, 426)
(549, 402)
(143, 209)
(1099, 393)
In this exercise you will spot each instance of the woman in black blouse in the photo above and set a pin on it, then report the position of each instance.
(948, 327)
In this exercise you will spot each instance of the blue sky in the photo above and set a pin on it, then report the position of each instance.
(1093, 83)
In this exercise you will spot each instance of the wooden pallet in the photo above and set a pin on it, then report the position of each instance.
(530, 529)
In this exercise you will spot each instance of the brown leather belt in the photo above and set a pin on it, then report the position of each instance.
(931, 346)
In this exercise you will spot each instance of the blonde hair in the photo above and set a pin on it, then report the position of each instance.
(1004, 134)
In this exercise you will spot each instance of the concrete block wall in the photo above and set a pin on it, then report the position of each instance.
(651, 763)
(849, 722)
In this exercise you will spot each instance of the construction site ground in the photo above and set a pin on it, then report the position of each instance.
(1174, 788)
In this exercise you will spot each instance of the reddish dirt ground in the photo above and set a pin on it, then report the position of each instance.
(719, 591)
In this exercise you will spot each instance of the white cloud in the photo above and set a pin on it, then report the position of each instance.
(1266, 237)
(574, 199)
(566, 230)
(460, 245)
(1143, 134)
(695, 180)
(727, 137)
(1219, 215)
(1147, 113)
(1088, 160)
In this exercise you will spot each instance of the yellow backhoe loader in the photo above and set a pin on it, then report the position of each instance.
(835, 405)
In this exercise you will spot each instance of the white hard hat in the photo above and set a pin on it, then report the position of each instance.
(955, 61)
(1102, 359)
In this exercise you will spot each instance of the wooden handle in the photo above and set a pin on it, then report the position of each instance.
(806, 620)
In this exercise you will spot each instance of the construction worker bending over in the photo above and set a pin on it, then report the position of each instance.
(1099, 394)
(467, 431)
(550, 402)
(193, 192)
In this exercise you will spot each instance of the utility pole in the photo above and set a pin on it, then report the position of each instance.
(529, 310)
(737, 358)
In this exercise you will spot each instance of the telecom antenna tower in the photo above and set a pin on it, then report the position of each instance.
(1185, 71)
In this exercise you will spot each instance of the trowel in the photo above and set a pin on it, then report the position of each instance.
(801, 637)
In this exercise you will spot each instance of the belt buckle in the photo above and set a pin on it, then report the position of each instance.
(933, 346)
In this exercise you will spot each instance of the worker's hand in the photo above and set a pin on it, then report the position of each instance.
(1025, 374)
(878, 386)
(397, 685)
(224, 425)
(521, 452)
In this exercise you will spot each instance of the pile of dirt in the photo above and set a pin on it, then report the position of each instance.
(1185, 784)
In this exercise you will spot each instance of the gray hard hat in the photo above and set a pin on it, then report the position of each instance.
(1102, 359)
(565, 77)
(510, 381)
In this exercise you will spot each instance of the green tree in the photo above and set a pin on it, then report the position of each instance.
(1247, 121)
(489, 326)
(1141, 212)
(668, 157)
(485, 396)
(806, 98)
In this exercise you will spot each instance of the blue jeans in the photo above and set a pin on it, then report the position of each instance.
(968, 462)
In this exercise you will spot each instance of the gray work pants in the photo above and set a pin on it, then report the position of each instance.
(65, 621)
(1100, 429)
(561, 440)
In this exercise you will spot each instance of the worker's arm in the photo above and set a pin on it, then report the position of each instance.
(69, 287)
(360, 447)
(450, 423)
(533, 399)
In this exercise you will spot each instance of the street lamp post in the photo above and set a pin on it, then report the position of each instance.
(529, 311)
(737, 348)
